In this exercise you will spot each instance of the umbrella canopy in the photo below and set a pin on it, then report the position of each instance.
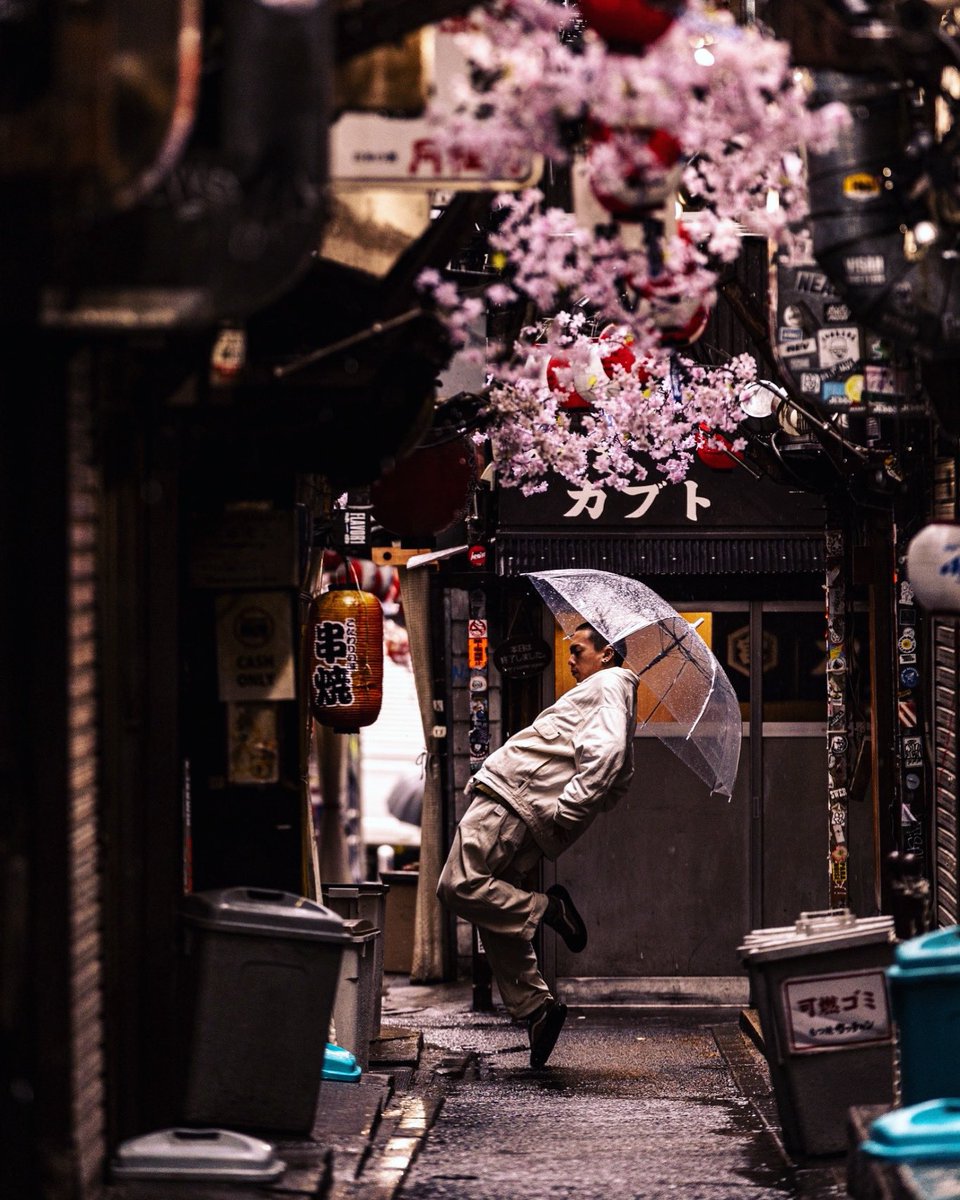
(684, 696)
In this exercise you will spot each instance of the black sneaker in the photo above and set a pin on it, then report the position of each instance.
(562, 916)
(544, 1026)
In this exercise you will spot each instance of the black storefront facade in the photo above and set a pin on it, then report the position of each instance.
(680, 875)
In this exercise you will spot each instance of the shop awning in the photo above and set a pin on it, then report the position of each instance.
(671, 554)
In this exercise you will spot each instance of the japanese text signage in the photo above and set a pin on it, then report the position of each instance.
(336, 661)
(832, 1011)
(705, 499)
(476, 643)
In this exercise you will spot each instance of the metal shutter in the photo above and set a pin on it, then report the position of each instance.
(86, 952)
(946, 643)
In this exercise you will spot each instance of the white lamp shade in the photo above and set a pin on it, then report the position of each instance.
(933, 566)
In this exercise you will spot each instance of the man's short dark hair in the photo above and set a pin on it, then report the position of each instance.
(599, 642)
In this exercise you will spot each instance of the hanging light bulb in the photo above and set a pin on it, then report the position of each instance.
(759, 403)
(792, 421)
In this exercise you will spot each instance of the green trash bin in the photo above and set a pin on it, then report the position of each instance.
(820, 991)
(925, 994)
(261, 971)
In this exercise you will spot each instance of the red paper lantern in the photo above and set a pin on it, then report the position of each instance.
(633, 24)
(428, 490)
(644, 169)
(345, 648)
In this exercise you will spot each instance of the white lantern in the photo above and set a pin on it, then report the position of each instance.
(933, 566)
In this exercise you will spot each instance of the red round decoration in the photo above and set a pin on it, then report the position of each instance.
(631, 23)
(714, 450)
(572, 399)
(620, 356)
(477, 556)
(344, 642)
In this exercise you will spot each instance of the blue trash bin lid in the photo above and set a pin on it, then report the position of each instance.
(939, 949)
(260, 910)
(926, 1132)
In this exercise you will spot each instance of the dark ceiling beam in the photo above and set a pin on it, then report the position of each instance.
(362, 26)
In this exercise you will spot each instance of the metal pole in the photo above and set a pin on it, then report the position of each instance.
(756, 764)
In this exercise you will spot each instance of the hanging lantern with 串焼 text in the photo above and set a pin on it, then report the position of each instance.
(345, 645)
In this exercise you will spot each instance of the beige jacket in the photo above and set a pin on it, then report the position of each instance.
(573, 762)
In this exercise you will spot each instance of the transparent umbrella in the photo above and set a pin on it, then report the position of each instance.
(684, 697)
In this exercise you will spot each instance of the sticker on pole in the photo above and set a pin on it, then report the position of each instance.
(831, 1012)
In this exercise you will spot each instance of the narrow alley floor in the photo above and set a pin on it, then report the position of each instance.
(630, 1107)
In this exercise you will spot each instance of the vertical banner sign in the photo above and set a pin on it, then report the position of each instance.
(909, 703)
(477, 644)
(838, 728)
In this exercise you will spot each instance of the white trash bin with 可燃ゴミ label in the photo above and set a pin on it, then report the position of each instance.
(820, 990)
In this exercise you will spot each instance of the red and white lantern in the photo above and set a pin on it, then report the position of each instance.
(575, 380)
(678, 311)
(632, 171)
(610, 354)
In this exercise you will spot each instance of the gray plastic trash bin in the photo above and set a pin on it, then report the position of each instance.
(357, 989)
(365, 901)
(820, 990)
(203, 1155)
(261, 975)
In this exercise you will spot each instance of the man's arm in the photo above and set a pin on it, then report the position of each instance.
(603, 754)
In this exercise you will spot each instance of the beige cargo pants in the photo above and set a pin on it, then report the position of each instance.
(484, 882)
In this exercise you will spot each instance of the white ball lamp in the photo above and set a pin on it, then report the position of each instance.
(933, 566)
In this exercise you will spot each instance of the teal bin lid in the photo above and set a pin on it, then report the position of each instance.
(260, 910)
(927, 1132)
(340, 1064)
(940, 949)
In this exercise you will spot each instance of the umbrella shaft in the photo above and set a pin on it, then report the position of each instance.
(663, 654)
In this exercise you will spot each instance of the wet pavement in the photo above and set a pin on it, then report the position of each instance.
(631, 1106)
